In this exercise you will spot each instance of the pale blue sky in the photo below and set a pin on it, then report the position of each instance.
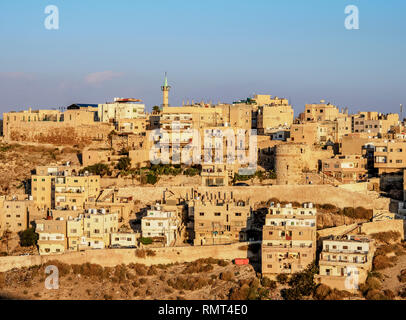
(212, 49)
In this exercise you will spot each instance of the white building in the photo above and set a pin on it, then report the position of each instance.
(120, 109)
(158, 223)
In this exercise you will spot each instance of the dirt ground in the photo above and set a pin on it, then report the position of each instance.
(205, 280)
(17, 162)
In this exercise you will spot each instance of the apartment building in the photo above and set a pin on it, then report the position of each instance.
(220, 221)
(124, 239)
(14, 214)
(389, 156)
(321, 112)
(275, 114)
(289, 239)
(121, 109)
(63, 189)
(345, 261)
(52, 236)
(91, 230)
(160, 224)
(346, 168)
(374, 123)
(216, 175)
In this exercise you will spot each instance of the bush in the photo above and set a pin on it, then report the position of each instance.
(99, 169)
(123, 164)
(386, 237)
(268, 283)
(322, 291)
(145, 241)
(152, 178)
(140, 253)
(282, 278)
(189, 283)
(226, 276)
(28, 237)
(381, 262)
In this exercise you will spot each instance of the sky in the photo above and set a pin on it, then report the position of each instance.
(219, 50)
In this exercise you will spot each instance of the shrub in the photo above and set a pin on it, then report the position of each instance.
(266, 282)
(402, 276)
(152, 271)
(189, 283)
(145, 241)
(322, 292)
(386, 237)
(226, 276)
(282, 278)
(140, 269)
(381, 262)
(140, 253)
(123, 164)
(28, 237)
(99, 169)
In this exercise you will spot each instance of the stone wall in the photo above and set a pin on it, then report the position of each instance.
(113, 257)
(319, 194)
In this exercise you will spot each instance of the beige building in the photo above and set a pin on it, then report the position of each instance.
(62, 189)
(121, 109)
(289, 239)
(91, 230)
(389, 156)
(52, 236)
(219, 221)
(374, 123)
(124, 239)
(346, 168)
(345, 261)
(273, 113)
(321, 112)
(14, 214)
(160, 224)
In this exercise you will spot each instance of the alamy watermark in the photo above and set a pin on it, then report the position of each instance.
(51, 21)
(220, 146)
(351, 22)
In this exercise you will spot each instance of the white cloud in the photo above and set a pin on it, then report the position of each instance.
(16, 75)
(100, 77)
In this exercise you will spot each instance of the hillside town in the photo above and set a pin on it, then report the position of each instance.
(248, 182)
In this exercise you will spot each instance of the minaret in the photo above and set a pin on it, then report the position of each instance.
(165, 89)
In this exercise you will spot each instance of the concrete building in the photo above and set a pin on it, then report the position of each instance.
(345, 261)
(63, 189)
(52, 236)
(121, 109)
(220, 221)
(124, 239)
(346, 168)
(91, 230)
(321, 112)
(289, 239)
(161, 225)
(389, 156)
(14, 214)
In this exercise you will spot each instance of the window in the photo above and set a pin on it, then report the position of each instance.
(238, 214)
(201, 214)
(217, 214)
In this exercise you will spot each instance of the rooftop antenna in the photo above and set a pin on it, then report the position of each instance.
(401, 112)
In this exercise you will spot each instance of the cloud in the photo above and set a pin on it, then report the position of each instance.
(16, 75)
(100, 77)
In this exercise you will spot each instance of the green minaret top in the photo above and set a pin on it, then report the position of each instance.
(166, 80)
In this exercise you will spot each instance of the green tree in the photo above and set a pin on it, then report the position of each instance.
(156, 109)
(123, 164)
(28, 237)
(99, 169)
